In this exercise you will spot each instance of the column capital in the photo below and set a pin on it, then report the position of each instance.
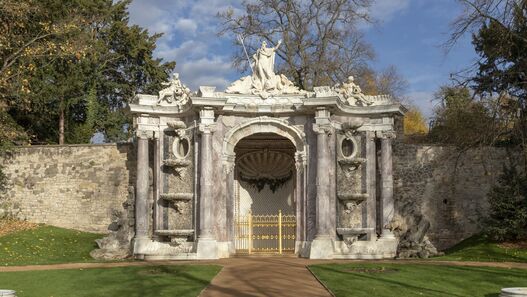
(323, 128)
(146, 126)
(370, 135)
(145, 134)
(322, 116)
(228, 163)
(207, 124)
(207, 128)
(300, 161)
(206, 115)
(390, 134)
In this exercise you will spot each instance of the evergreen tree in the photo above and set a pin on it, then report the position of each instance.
(84, 86)
(508, 207)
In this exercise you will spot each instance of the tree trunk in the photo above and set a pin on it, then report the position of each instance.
(61, 126)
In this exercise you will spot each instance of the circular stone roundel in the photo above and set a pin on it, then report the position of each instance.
(265, 164)
(181, 147)
(348, 148)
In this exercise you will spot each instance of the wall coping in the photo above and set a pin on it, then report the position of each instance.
(71, 145)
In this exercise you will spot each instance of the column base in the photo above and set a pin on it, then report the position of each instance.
(322, 248)
(207, 249)
(387, 235)
(141, 245)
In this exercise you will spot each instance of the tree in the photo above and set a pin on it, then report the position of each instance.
(386, 82)
(461, 120)
(499, 29)
(28, 34)
(414, 122)
(507, 219)
(68, 94)
(321, 42)
(499, 35)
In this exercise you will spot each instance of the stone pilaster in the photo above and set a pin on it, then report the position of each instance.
(207, 245)
(322, 245)
(300, 200)
(371, 173)
(158, 207)
(141, 194)
(387, 183)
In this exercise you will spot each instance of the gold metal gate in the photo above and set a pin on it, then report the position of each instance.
(265, 234)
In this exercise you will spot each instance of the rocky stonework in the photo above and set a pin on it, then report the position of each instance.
(79, 187)
(440, 195)
(117, 244)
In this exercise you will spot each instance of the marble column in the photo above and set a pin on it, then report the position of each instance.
(207, 244)
(371, 171)
(206, 182)
(387, 184)
(141, 194)
(322, 245)
(158, 203)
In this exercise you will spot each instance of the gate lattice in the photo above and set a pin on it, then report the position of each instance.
(265, 234)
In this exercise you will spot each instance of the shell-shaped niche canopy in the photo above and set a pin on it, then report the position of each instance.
(265, 164)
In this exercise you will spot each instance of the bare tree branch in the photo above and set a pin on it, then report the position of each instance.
(321, 43)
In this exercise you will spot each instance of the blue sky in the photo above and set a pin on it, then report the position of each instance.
(409, 35)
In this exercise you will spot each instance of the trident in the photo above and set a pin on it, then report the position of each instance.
(240, 39)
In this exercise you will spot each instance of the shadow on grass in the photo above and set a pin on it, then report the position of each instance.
(420, 279)
(180, 280)
(377, 278)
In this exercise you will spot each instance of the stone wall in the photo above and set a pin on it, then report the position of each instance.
(83, 187)
(440, 193)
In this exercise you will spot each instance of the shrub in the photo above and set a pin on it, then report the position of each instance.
(507, 219)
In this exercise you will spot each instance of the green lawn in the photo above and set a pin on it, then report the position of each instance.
(478, 248)
(46, 245)
(389, 280)
(177, 280)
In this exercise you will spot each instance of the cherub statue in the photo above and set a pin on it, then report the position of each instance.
(352, 93)
(175, 91)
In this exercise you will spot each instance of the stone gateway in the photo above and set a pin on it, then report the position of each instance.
(277, 170)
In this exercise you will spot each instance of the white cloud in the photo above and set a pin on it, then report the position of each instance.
(189, 28)
(206, 72)
(189, 49)
(151, 17)
(186, 26)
